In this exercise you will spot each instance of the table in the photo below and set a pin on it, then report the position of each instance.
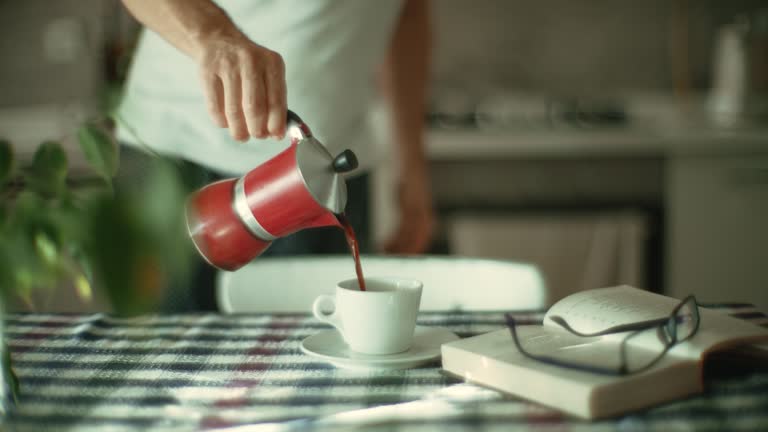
(246, 372)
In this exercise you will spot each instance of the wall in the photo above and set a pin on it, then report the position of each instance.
(582, 47)
(51, 51)
(560, 46)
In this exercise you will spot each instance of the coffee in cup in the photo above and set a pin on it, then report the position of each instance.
(380, 320)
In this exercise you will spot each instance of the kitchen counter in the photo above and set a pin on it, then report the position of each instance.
(464, 144)
(513, 125)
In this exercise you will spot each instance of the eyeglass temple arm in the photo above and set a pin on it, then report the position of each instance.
(555, 362)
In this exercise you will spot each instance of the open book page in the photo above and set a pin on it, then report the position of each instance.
(718, 331)
(596, 310)
(561, 345)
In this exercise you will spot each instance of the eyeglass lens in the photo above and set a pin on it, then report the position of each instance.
(686, 320)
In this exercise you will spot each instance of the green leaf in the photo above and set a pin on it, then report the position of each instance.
(122, 256)
(161, 207)
(6, 161)
(161, 200)
(83, 287)
(32, 241)
(82, 260)
(9, 376)
(49, 169)
(46, 249)
(99, 149)
(6, 276)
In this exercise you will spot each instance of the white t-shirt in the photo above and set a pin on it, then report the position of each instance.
(331, 50)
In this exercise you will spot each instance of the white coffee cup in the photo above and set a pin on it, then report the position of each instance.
(379, 320)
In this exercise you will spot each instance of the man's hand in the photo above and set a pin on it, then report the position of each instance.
(245, 86)
(416, 218)
(243, 81)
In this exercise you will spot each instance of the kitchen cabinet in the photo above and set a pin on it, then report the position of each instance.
(574, 250)
(585, 221)
(586, 218)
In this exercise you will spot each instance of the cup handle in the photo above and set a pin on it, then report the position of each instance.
(331, 318)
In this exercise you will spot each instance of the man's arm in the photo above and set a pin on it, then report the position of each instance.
(404, 79)
(244, 82)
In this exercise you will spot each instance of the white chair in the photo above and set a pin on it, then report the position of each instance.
(450, 283)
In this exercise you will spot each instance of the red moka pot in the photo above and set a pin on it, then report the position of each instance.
(233, 221)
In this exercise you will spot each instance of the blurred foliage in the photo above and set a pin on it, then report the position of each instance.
(98, 151)
(130, 242)
(9, 376)
(6, 161)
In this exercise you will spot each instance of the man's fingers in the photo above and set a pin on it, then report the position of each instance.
(233, 106)
(254, 101)
(276, 96)
(214, 95)
(244, 85)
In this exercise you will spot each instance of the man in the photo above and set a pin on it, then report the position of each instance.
(209, 77)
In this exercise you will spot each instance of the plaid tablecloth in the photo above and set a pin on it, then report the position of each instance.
(246, 372)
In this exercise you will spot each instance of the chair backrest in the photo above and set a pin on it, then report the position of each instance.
(450, 283)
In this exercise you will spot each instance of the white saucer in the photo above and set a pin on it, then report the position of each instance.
(328, 345)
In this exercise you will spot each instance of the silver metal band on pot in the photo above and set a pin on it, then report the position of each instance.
(245, 213)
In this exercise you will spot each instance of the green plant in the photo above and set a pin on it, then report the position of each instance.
(57, 232)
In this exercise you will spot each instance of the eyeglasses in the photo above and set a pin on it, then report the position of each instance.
(680, 325)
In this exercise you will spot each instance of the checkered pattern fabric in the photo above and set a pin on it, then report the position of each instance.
(246, 372)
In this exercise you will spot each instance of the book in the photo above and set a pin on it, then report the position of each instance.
(493, 360)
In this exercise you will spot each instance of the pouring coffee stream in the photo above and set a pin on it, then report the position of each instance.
(233, 221)
(354, 247)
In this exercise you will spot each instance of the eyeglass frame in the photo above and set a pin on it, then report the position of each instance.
(668, 324)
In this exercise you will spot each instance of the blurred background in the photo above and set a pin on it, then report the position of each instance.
(606, 142)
